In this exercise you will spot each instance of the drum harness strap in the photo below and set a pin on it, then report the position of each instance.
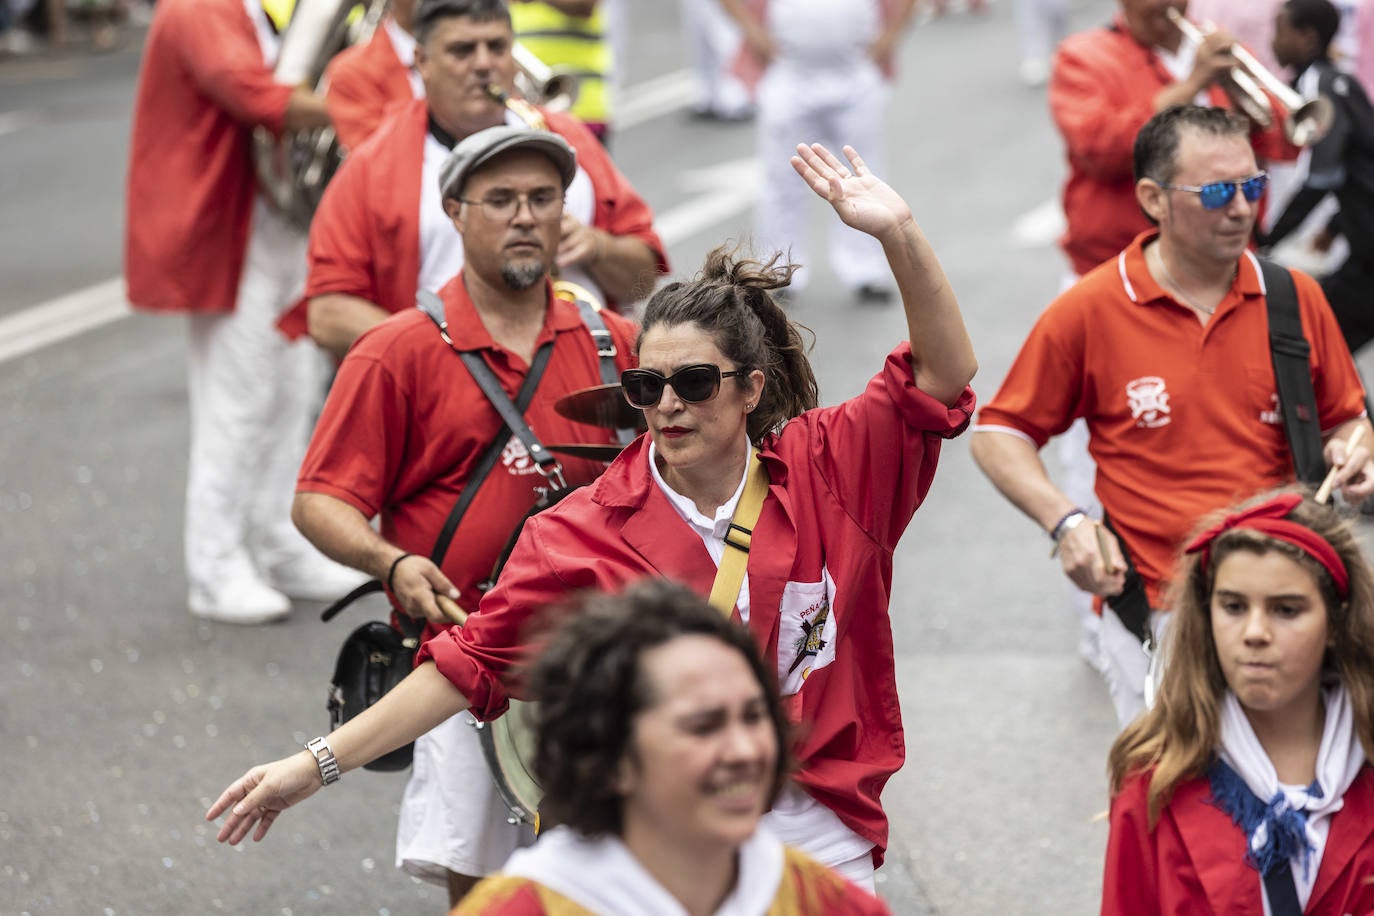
(1289, 350)
(730, 574)
(433, 306)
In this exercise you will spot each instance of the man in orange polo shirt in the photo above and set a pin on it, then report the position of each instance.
(1164, 352)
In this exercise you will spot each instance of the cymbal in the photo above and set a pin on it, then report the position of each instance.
(587, 450)
(603, 405)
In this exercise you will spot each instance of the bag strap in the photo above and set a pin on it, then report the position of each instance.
(605, 355)
(739, 536)
(512, 415)
(433, 306)
(1293, 373)
(1279, 887)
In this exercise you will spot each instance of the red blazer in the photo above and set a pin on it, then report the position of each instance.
(365, 81)
(1101, 93)
(203, 87)
(1193, 863)
(844, 483)
(365, 238)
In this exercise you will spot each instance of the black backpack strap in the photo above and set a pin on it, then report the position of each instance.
(1293, 373)
(512, 414)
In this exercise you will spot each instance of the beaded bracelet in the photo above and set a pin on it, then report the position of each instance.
(391, 573)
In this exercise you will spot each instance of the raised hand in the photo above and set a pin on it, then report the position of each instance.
(861, 199)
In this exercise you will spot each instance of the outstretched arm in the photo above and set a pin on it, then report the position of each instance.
(417, 704)
(941, 352)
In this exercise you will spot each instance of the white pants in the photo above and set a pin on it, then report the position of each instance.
(1040, 24)
(452, 818)
(847, 105)
(1132, 673)
(713, 41)
(252, 399)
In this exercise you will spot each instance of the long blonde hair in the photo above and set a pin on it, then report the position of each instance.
(1179, 736)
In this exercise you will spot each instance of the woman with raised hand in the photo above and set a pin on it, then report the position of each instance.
(1247, 788)
(660, 741)
(730, 399)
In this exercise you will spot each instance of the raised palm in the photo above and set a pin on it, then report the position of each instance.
(861, 199)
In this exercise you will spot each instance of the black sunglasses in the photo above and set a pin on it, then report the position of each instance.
(693, 384)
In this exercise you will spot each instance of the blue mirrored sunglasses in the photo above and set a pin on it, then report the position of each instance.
(1218, 194)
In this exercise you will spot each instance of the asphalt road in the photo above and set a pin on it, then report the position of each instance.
(121, 717)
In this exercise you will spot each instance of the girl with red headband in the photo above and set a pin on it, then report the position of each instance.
(1248, 787)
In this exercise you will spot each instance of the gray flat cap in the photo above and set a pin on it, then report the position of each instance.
(483, 146)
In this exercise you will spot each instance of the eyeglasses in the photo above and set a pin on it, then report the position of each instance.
(693, 384)
(503, 205)
(1218, 194)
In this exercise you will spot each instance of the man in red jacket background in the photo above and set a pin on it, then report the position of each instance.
(199, 240)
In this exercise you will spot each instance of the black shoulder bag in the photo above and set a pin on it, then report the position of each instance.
(376, 656)
(1289, 350)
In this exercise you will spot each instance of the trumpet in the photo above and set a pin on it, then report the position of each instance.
(538, 83)
(1250, 85)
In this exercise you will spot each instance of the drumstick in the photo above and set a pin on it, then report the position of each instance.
(1107, 565)
(1324, 491)
(451, 609)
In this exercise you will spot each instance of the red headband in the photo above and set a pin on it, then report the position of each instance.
(1268, 518)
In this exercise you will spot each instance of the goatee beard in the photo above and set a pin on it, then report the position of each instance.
(522, 275)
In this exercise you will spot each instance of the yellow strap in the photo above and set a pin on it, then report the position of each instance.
(730, 575)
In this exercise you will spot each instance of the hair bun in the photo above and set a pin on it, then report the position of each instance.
(724, 265)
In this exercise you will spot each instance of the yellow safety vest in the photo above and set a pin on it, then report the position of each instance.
(577, 44)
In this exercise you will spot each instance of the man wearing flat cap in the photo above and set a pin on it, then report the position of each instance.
(379, 233)
(406, 422)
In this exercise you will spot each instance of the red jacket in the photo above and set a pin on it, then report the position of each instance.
(365, 238)
(202, 88)
(1101, 93)
(1193, 862)
(365, 81)
(844, 483)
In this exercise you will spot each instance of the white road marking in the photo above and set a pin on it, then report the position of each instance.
(724, 190)
(64, 317)
(652, 98)
(11, 121)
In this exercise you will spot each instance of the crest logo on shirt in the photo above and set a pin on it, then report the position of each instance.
(1272, 416)
(1149, 402)
(516, 458)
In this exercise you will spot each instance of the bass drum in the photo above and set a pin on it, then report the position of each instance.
(508, 742)
(508, 745)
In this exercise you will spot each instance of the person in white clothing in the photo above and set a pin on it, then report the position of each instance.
(822, 71)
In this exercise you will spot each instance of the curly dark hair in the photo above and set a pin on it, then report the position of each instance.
(729, 300)
(590, 687)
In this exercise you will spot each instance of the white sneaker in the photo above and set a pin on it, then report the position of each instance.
(1034, 72)
(311, 576)
(241, 599)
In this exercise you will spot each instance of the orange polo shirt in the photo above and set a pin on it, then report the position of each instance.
(1183, 417)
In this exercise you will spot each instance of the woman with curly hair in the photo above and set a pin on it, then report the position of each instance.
(1248, 788)
(660, 741)
(731, 405)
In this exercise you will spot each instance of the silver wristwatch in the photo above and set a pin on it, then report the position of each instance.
(324, 759)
